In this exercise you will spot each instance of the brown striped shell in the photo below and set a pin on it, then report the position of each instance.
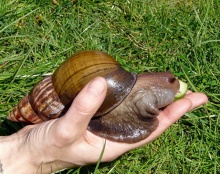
(50, 96)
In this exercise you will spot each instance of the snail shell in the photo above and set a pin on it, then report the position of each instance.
(128, 113)
(50, 96)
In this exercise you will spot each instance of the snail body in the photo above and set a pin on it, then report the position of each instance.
(136, 117)
(129, 111)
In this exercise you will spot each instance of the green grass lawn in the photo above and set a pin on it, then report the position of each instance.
(143, 35)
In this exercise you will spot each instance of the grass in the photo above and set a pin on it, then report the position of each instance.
(143, 35)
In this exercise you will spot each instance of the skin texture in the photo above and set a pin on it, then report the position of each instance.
(66, 142)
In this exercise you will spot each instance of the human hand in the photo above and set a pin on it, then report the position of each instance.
(65, 142)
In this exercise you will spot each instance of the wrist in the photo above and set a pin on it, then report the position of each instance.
(16, 156)
(11, 156)
(19, 154)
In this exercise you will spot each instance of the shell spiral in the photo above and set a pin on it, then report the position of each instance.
(41, 104)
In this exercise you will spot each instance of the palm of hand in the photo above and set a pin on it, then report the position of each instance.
(65, 142)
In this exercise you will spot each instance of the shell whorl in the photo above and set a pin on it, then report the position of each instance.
(40, 105)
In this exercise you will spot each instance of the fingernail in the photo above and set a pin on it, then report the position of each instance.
(97, 86)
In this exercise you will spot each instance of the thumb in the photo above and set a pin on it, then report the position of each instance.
(84, 107)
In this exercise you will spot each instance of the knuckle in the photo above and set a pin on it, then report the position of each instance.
(82, 108)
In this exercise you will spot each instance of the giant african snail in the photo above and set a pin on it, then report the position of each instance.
(129, 112)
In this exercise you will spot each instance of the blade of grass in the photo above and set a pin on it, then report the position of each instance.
(18, 20)
(100, 158)
(189, 81)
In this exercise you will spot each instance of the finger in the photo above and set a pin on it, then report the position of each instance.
(166, 118)
(176, 110)
(84, 107)
(170, 115)
(197, 99)
(188, 92)
(173, 111)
